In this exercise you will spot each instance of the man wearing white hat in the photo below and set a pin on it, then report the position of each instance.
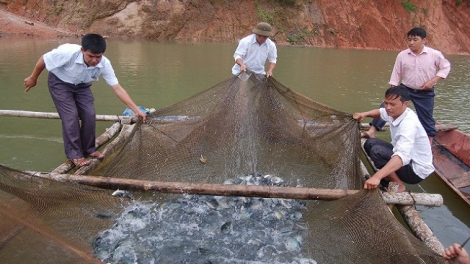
(253, 51)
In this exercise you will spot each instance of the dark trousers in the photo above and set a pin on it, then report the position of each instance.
(75, 103)
(424, 106)
(380, 152)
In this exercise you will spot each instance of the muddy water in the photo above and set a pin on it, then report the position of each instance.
(160, 74)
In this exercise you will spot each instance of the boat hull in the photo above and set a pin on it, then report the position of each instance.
(451, 151)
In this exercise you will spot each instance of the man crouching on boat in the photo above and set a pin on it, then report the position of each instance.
(408, 159)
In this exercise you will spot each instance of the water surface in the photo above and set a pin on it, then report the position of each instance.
(160, 74)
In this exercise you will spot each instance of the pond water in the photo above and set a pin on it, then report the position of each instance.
(158, 74)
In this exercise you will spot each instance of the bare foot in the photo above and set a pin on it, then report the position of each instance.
(97, 155)
(80, 162)
(367, 135)
(401, 188)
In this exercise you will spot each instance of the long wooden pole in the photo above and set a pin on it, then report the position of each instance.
(100, 141)
(50, 115)
(234, 189)
(419, 228)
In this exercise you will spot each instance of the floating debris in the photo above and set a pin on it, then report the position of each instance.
(202, 159)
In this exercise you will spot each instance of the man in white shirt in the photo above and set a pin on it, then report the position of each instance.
(253, 51)
(72, 68)
(408, 158)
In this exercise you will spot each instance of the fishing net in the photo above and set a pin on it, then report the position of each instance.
(246, 130)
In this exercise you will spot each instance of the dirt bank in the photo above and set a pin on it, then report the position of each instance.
(362, 24)
(14, 25)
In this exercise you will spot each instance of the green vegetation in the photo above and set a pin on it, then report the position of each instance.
(265, 16)
(410, 7)
(292, 39)
(459, 2)
(285, 2)
(299, 36)
(288, 2)
(276, 13)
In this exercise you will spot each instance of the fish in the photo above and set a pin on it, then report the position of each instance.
(122, 194)
(208, 229)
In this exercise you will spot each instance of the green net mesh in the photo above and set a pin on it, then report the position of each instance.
(247, 130)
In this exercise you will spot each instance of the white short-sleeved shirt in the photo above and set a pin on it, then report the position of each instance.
(254, 56)
(410, 141)
(66, 62)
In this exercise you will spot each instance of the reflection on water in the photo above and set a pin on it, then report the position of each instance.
(160, 74)
(453, 94)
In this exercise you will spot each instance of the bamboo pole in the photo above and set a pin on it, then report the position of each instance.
(232, 189)
(367, 125)
(50, 115)
(439, 127)
(28, 221)
(419, 228)
(125, 132)
(6, 236)
(100, 141)
(108, 134)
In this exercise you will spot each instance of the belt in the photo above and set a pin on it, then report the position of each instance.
(418, 90)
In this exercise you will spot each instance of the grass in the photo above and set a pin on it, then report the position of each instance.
(410, 7)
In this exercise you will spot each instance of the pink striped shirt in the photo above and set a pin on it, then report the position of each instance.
(414, 70)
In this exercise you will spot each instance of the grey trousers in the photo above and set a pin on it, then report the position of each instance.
(75, 103)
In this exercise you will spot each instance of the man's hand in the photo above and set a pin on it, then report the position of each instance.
(142, 115)
(359, 116)
(431, 83)
(456, 251)
(29, 83)
(372, 183)
(428, 85)
(269, 73)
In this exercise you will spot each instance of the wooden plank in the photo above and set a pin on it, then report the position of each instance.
(445, 127)
(462, 181)
(456, 142)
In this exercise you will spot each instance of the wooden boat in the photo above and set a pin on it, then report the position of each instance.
(451, 151)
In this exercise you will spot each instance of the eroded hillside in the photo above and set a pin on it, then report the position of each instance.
(365, 24)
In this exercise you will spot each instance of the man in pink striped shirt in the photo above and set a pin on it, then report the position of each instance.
(418, 68)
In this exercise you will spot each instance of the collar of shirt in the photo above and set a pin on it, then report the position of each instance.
(79, 60)
(397, 121)
(425, 50)
(253, 40)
